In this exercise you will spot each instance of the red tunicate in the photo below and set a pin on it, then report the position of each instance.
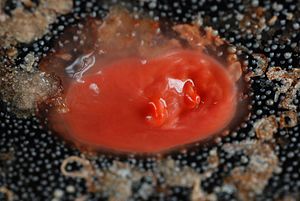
(133, 105)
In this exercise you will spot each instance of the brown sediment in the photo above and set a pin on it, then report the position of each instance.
(117, 180)
(24, 86)
(2, 14)
(81, 198)
(213, 159)
(265, 128)
(29, 3)
(25, 89)
(246, 180)
(24, 26)
(288, 198)
(252, 179)
(197, 38)
(273, 20)
(137, 36)
(288, 119)
(261, 66)
(6, 156)
(198, 194)
(86, 171)
(110, 181)
(8, 193)
(290, 85)
(12, 52)
(254, 20)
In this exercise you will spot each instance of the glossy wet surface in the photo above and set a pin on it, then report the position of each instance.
(31, 156)
(168, 101)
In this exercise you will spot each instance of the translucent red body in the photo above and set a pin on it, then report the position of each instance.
(148, 106)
